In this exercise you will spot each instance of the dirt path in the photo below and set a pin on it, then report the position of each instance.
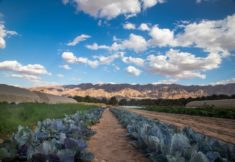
(110, 144)
(223, 129)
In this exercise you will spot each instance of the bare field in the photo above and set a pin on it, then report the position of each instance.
(222, 129)
(225, 103)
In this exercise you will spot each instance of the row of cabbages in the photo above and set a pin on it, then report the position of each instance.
(165, 143)
(54, 140)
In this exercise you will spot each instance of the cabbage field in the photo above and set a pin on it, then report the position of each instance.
(53, 140)
(163, 142)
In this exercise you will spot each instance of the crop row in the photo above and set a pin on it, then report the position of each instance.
(163, 142)
(53, 140)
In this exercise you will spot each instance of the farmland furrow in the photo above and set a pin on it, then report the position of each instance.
(110, 144)
(223, 129)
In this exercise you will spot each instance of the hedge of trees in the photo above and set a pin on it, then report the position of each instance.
(142, 102)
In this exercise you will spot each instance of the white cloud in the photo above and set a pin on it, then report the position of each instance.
(136, 43)
(170, 81)
(133, 60)
(30, 69)
(95, 46)
(110, 9)
(162, 37)
(151, 3)
(144, 27)
(114, 47)
(129, 26)
(228, 81)
(4, 33)
(107, 59)
(69, 57)
(183, 65)
(133, 70)
(25, 76)
(214, 36)
(66, 67)
(78, 39)
(91, 63)
(30, 72)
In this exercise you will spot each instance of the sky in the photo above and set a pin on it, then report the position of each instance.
(62, 42)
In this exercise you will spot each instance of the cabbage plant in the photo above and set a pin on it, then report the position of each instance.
(163, 142)
(53, 140)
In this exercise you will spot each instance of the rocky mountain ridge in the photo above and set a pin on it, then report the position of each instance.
(165, 91)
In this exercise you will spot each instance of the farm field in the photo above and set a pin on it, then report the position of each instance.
(201, 111)
(225, 103)
(27, 114)
(223, 129)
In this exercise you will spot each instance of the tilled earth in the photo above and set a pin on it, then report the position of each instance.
(110, 143)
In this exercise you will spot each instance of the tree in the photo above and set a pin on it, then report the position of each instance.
(113, 101)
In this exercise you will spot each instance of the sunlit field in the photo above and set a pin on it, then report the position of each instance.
(27, 114)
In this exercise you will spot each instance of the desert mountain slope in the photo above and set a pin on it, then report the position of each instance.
(19, 95)
(172, 91)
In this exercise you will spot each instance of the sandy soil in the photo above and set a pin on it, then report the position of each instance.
(223, 129)
(110, 144)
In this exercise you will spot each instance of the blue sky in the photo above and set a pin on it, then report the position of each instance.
(106, 41)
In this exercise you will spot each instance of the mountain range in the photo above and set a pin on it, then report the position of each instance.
(151, 91)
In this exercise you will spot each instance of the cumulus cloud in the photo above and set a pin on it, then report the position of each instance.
(151, 3)
(129, 26)
(30, 69)
(162, 37)
(3, 34)
(228, 81)
(144, 27)
(25, 76)
(108, 59)
(110, 9)
(215, 36)
(183, 65)
(169, 81)
(78, 39)
(30, 72)
(114, 47)
(136, 43)
(212, 36)
(133, 70)
(133, 60)
(69, 57)
(95, 46)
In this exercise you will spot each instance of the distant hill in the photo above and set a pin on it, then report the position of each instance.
(19, 95)
(164, 91)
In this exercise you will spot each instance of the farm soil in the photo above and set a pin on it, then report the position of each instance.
(110, 144)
